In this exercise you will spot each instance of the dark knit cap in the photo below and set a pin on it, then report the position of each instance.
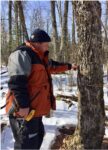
(39, 35)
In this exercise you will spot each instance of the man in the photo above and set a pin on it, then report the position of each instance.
(30, 88)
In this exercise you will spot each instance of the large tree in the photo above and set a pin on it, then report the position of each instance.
(91, 116)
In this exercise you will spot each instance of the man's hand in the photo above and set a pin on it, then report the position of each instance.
(23, 112)
(74, 66)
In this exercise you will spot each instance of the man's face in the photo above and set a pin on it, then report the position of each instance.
(42, 46)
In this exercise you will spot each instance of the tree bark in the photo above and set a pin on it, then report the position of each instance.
(91, 112)
(106, 38)
(59, 8)
(4, 43)
(16, 22)
(64, 37)
(54, 26)
(74, 52)
(22, 19)
(106, 20)
(10, 26)
(73, 27)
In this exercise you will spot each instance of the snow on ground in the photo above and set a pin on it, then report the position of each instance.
(60, 117)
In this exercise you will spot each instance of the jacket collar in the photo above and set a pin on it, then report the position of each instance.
(37, 51)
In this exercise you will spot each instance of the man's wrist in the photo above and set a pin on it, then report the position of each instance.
(69, 66)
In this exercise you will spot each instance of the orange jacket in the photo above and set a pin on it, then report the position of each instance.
(39, 82)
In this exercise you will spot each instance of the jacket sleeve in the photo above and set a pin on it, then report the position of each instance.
(19, 67)
(57, 67)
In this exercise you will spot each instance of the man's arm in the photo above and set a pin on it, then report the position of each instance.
(19, 67)
(57, 67)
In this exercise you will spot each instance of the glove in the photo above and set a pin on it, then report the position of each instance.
(74, 67)
(23, 112)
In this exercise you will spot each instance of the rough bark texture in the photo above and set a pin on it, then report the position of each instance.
(91, 116)
(54, 26)
(22, 18)
(64, 38)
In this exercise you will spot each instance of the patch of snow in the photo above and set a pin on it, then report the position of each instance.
(7, 140)
(60, 117)
(106, 132)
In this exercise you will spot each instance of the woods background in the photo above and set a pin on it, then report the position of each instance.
(20, 18)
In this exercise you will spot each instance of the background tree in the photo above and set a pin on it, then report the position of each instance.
(73, 56)
(10, 25)
(64, 37)
(22, 19)
(54, 27)
(16, 10)
(4, 42)
(73, 26)
(59, 8)
(37, 19)
(91, 116)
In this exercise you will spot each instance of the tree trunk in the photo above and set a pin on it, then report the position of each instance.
(106, 39)
(16, 22)
(22, 19)
(73, 27)
(105, 42)
(64, 37)
(20, 32)
(47, 25)
(74, 52)
(106, 20)
(4, 43)
(91, 113)
(10, 26)
(59, 8)
(54, 26)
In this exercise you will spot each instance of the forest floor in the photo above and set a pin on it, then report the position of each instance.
(66, 131)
